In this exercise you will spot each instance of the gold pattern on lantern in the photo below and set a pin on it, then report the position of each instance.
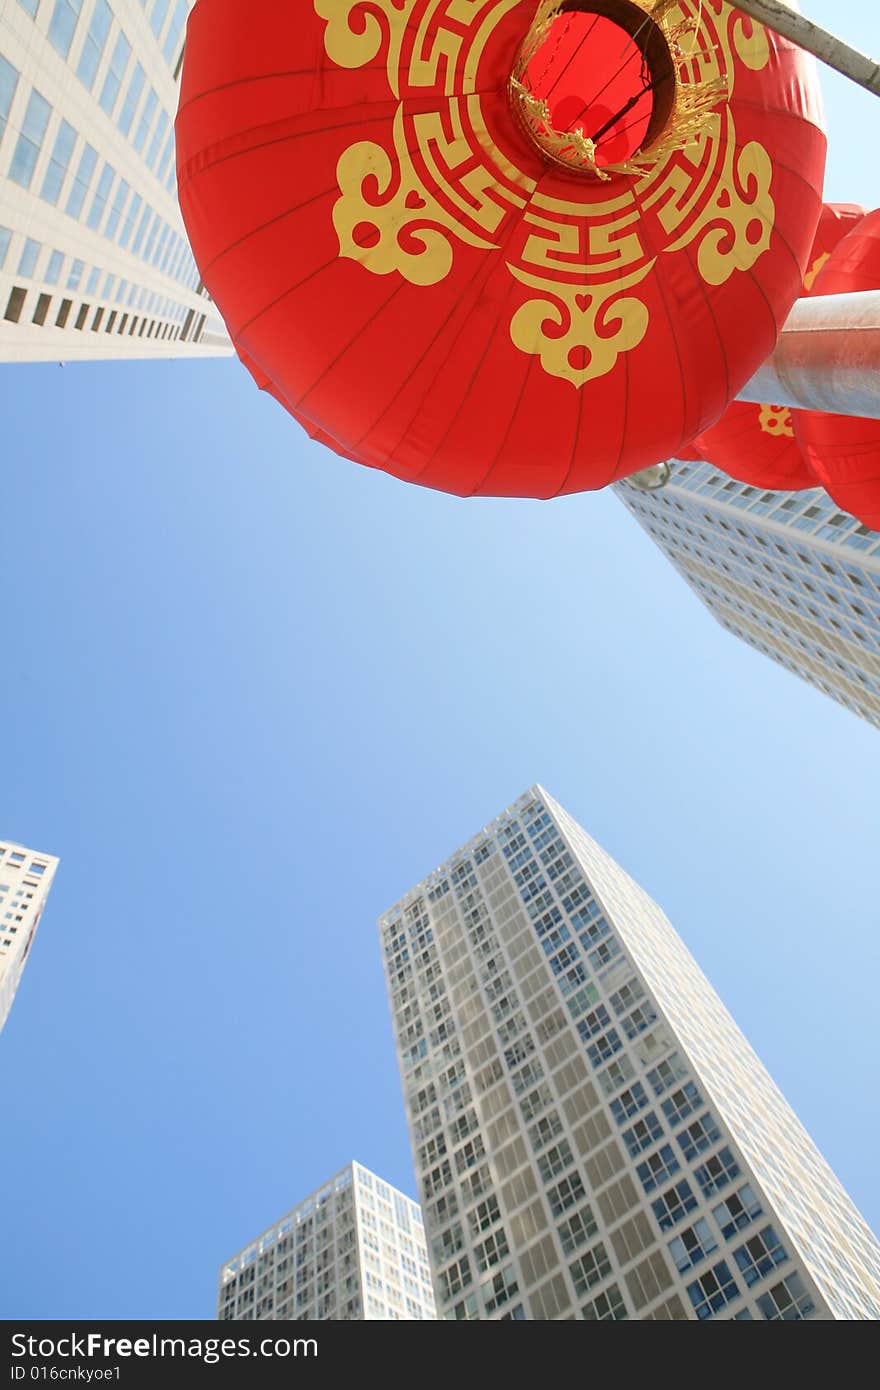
(776, 420)
(440, 183)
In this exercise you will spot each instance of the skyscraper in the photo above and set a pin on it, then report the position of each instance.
(94, 260)
(25, 879)
(352, 1251)
(593, 1136)
(788, 572)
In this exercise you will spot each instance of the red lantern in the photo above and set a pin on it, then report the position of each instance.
(756, 443)
(843, 451)
(493, 249)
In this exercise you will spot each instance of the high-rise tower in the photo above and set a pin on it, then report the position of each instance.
(94, 260)
(352, 1251)
(594, 1138)
(25, 879)
(788, 572)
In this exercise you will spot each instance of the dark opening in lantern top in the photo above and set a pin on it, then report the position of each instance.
(603, 72)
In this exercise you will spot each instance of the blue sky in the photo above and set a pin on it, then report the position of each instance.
(252, 694)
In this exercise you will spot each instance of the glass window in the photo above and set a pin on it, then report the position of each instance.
(28, 259)
(58, 163)
(713, 1290)
(565, 1194)
(169, 250)
(94, 277)
(142, 227)
(102, 193)
(56, 260)
(134, 208)
(119, 199)
(87, 163)
(161, 243)
(681, 1103)
(8, 83)
(166, 164)
(716, 1172)
(151, 239)
(786, 1302)
(63, 23)
(30, 6)
(93, 48)
(175, 31)
(75, 275)
(674, 1205)
(146, 120)
(158, 136)
(657, 1167)
(737, 1210)
(629, 1103)
(667, 1073)
(115, 74)
(699, 1135)
(5, 238)
(590, 1269)
(604, 1047)
(760, 1255)
(693, 1245)
(607, 1307)
(577, 1230)
(157, 16)
(30, 141)
(642, 1134)
(132, 97)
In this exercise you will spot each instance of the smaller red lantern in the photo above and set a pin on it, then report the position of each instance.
(756, 443)
(843, 451)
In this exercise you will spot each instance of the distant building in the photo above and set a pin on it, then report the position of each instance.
(25, 879)
(352, 1251)
(788, 572)
(94, 260)
(593, 1136)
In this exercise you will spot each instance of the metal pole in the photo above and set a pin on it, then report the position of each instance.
(827, 358)
(780, 17)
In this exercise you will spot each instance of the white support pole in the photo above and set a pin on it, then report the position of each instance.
(780, 17)
(827, 358)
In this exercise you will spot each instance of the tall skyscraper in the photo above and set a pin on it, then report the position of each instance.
(94, 260)
(25, 879)
(352, 1251)
(593, 1136)
(788, 572)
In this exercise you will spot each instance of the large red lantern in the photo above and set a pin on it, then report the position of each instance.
(756, 443)
(842, 451)
(497, 248)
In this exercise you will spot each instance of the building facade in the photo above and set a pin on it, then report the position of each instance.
(352, 1251)
(788, 572)
(593, 1136)
(94, 260)
(25, 879)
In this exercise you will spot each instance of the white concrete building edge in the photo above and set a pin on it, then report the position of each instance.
(94, 260)
(788, 572)
(25, 879)
(354, 1250)
(593, 1136)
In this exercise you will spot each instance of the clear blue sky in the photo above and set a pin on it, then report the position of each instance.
(252, 694)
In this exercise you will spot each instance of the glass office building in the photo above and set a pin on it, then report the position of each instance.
(788, 572)
(352, 1251)
(593, 1136)
(94, 260)
(25, 879)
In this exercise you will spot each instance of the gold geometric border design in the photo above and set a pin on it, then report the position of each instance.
(443, 180)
